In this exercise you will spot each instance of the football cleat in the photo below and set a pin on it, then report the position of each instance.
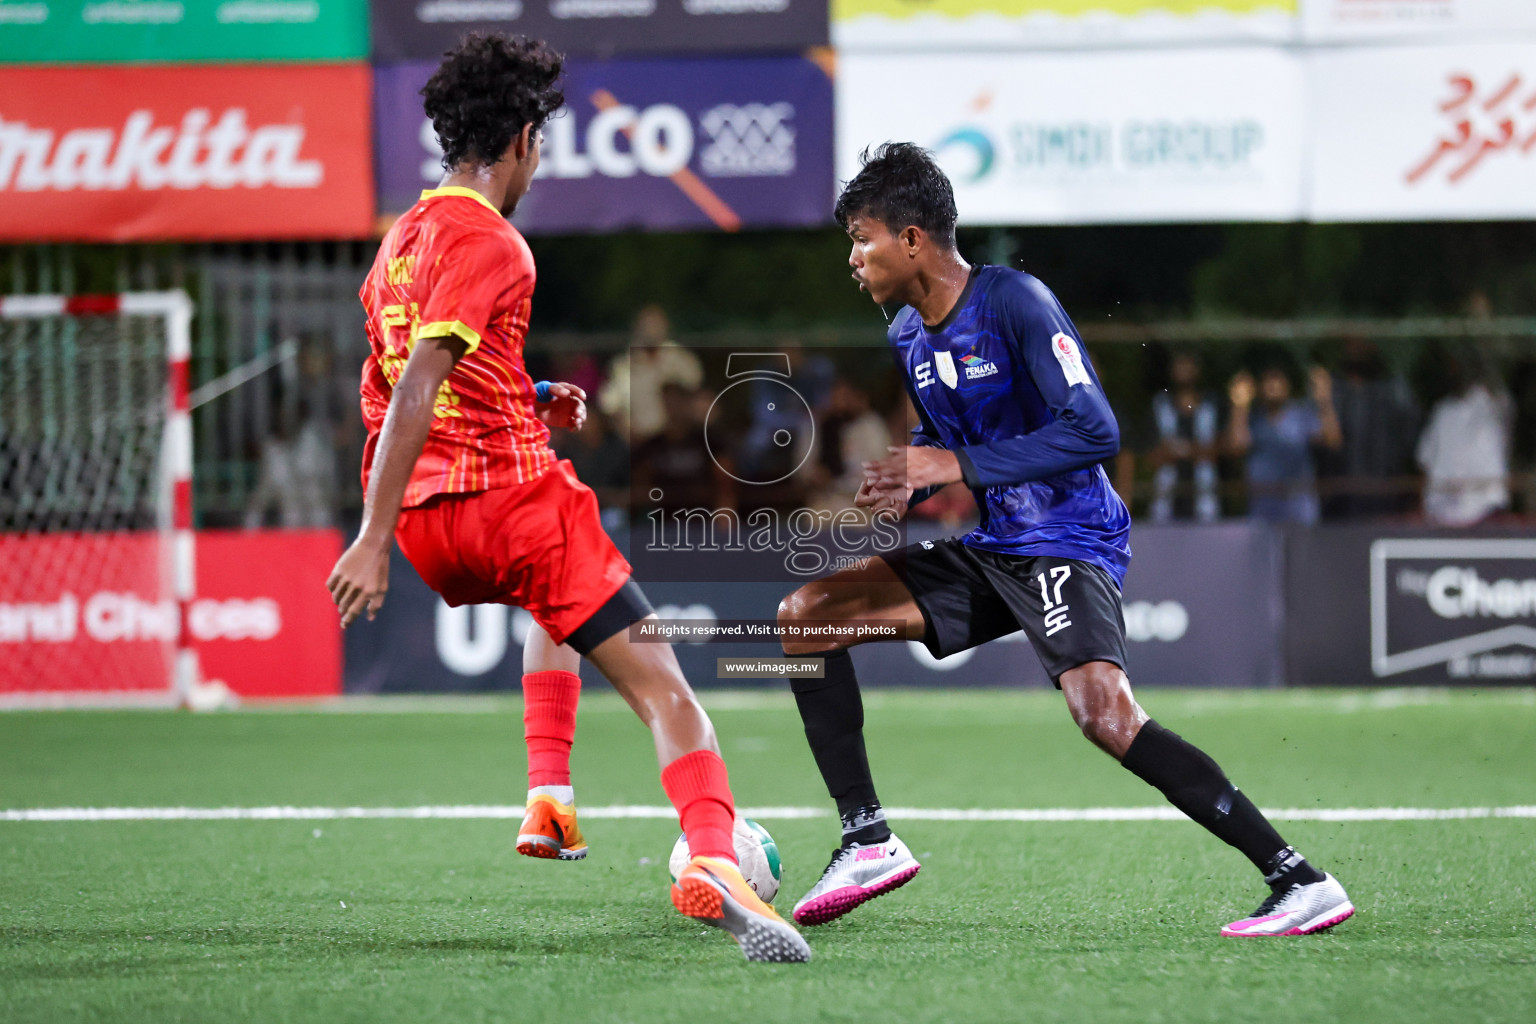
(549, 830)
(712, 890)
(1297, 910)
(856, 875)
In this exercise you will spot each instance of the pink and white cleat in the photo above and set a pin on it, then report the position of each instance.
(857, 874)
(1297, 910)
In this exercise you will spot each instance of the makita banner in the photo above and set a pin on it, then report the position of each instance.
(415, 29)
(1410, 607)
(1423, 132)
(1184, 627)
(145, 154)
(103, 618)
(166, 31)
(1092, 137)
(669, 145)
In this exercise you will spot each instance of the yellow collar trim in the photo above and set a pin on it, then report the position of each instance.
(458, 190)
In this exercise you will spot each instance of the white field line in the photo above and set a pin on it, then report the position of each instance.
(505, 812)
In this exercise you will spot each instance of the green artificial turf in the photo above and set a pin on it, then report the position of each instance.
(402, 920)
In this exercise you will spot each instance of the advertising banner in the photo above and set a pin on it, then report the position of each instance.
(422, 29)
(1328, 21)
(166, 31)
(1423, 133)
(1410, 607)
(262, 621)
(118, 154)
(1090, 138)
(1184, 628)
(1056, 24)
(661, 145)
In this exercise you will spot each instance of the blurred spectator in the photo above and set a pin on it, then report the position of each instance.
(600, 458)
(297, 474)
(1378, 418)
(851, 433)
(784, 422)
(1464, 450)
(632, 396)
(1185, 424)
(674, 470)
(1277, 435)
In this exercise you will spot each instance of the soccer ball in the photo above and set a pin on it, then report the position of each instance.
(755, 850)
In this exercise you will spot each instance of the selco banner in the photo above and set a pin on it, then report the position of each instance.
(416, 29)
(167, 31)
(1438, 20)
(1184, 629)
(1056, 24)
(111, 624)
(1410, 607)
(1423, 133)
(670, 145)
(118, 154)
(1092, 137)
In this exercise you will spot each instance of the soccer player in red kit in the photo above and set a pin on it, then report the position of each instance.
(459, 471)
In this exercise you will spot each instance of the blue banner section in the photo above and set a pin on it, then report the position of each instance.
(1202, 606)
(647, 144)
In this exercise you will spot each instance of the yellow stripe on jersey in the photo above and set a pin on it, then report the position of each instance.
(456, 190)
(457, 328)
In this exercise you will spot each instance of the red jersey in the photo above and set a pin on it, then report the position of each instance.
(453, 265)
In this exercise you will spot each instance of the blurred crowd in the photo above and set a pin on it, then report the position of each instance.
(1275, 439)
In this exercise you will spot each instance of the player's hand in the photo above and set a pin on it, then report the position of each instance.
(877, 500)
(360, 580)
(567, 407)
(914, 469)
(1241, 390)
(1320, 383)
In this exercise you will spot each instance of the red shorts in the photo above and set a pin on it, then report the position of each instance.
(539, 546)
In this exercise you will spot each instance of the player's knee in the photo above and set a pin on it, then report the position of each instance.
(1100, 702)
(795, 609)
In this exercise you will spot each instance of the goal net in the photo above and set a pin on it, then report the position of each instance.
(95, 500)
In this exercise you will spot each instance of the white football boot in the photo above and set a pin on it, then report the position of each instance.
(856, 875)
(1297, 910)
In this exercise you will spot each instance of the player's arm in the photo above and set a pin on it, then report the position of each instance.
(887, 484)
(361, 576)
(1082, 431)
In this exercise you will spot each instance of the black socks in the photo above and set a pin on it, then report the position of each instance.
(1196, 785)
(833, 715)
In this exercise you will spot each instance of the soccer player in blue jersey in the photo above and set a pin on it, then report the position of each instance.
(1009, 404)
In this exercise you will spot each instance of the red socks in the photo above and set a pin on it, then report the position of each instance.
(698, 787)
(549, 725)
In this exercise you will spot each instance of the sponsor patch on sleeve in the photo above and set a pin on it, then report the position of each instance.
(1071, 359)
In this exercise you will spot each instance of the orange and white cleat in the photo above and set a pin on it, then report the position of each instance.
(712, 890)
(549, 830)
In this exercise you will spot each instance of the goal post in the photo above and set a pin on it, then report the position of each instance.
(97, 551)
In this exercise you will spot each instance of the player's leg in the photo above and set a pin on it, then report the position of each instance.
(711, 889)
(551, 692)
(1071, 611)
(929, 593)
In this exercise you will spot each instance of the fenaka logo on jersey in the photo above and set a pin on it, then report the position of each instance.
(203, 150)
(1465, 609)
(976, 367)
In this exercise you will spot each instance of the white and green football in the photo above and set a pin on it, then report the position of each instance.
(756, 851)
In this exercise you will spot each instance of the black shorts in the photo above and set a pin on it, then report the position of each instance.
(1070, 609)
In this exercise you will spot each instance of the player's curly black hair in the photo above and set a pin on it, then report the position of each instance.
(901, 185)
(486, 89)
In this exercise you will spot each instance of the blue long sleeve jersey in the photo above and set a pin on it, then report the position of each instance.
(1005, 383)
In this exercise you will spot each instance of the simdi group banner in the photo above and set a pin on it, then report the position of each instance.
(118, 153)
(110, 31)
(878, 25)
(647, 144)
(1426, 20)
(1423, 133)
(1094, 137)
(419, 29)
